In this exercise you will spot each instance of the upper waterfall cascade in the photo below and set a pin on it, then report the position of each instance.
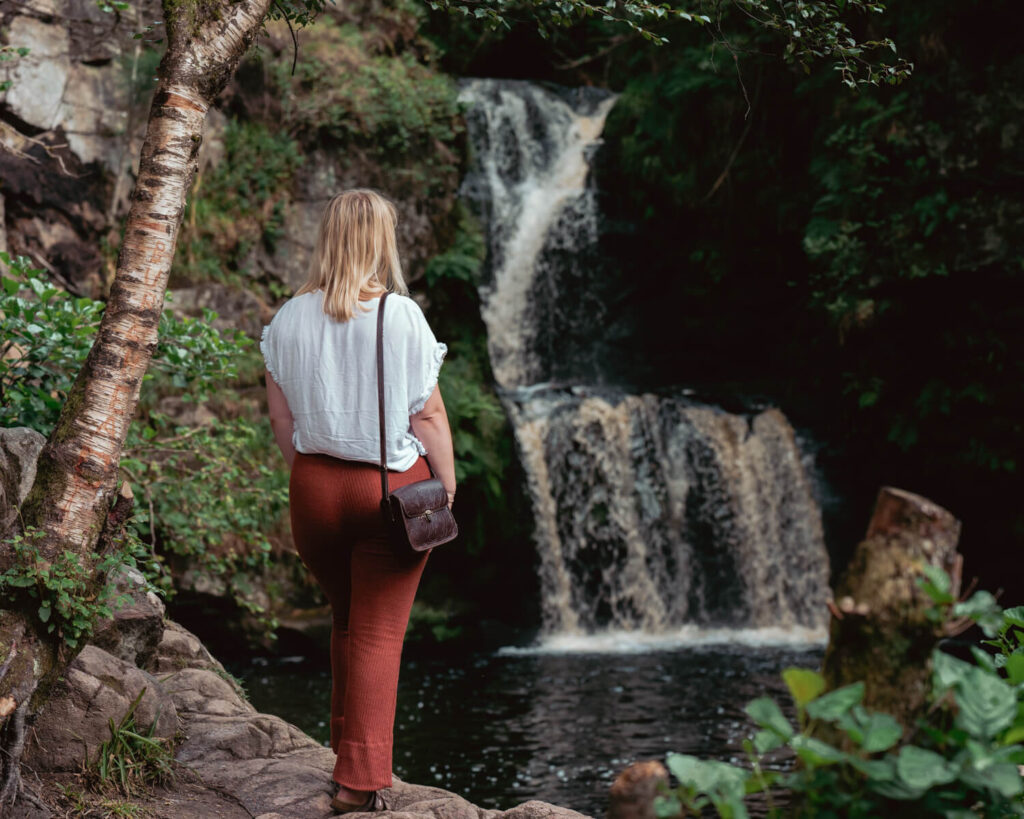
(651, 512)
(530, 178)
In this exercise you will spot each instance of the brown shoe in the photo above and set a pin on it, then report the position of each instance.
(374, 802)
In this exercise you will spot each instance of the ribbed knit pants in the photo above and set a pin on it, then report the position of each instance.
(340, 536)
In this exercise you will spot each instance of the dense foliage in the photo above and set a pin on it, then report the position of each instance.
(60, 592)
(236, 205)
(961, 761)
(204, 490)
(850, 257)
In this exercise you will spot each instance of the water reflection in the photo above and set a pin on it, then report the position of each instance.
(502, 729)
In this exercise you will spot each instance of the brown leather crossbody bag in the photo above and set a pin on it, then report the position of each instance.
(417, 515)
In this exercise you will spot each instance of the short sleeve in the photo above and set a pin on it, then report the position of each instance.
(267, 348)
(424, 356)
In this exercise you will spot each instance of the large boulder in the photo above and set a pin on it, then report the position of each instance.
(97, 687)
(19, 451)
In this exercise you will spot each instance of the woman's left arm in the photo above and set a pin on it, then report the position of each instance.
(281, 421)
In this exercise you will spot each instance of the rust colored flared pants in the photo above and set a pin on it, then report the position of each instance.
(340, 536)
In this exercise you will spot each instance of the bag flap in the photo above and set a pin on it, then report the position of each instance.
(416, 498)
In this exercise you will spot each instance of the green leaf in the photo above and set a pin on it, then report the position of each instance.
(666, 807)
(983, 659)
(880, 733)
(1014, 616)
(804, 684)
(1002, 777)
(938, 577)
(767, 714)
(879, 770)
(44, 612)
(708, 776)
(1015, 668)
(987, 704)
(836, 703)
(948, 671)
(815, 752)
(765, 741)
(921, 769)
(983, 608)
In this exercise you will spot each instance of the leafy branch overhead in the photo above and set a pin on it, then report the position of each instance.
(812, 31)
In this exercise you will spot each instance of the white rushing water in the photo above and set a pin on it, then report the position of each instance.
(532, 148)
(619, 641)
(658, 520)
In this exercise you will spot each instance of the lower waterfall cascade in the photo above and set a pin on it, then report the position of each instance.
(652, 513)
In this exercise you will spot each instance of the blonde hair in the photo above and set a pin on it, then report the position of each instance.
(356, 252)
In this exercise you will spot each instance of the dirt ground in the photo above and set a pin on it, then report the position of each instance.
(69, 797)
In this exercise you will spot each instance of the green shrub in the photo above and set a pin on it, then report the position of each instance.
(204, 493)
(962, 761)
(394, 107)
(236, 205)
(67, 593)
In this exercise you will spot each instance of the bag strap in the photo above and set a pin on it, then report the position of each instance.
(384, 492)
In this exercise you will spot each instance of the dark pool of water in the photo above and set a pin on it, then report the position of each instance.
(501, 729)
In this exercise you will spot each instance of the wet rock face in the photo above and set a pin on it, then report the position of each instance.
(97, 687)
(19, 450)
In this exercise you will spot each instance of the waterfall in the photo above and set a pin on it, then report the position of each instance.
(652, 512)
(531, 148)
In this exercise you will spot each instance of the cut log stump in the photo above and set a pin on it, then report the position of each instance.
(880, 631)
(632, 794)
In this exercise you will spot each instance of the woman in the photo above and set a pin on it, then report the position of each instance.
(320, 353)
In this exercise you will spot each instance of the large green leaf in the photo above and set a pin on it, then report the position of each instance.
(767, 714)
(804, 684)
(836, 703)
(708, 776)
(987, 705)
(880, 733)
(921, 769)
(815, 752)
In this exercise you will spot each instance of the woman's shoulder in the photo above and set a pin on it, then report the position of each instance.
(405, 306)
(299, 306)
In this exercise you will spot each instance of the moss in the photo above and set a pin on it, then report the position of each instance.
(187, 17)
(365, 86)
(236, 205)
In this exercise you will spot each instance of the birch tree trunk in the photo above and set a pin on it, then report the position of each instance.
(77, 469)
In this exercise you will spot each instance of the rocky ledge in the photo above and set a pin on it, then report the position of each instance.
(235, 761)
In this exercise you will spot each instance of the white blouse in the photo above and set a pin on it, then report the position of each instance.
(327, 370)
